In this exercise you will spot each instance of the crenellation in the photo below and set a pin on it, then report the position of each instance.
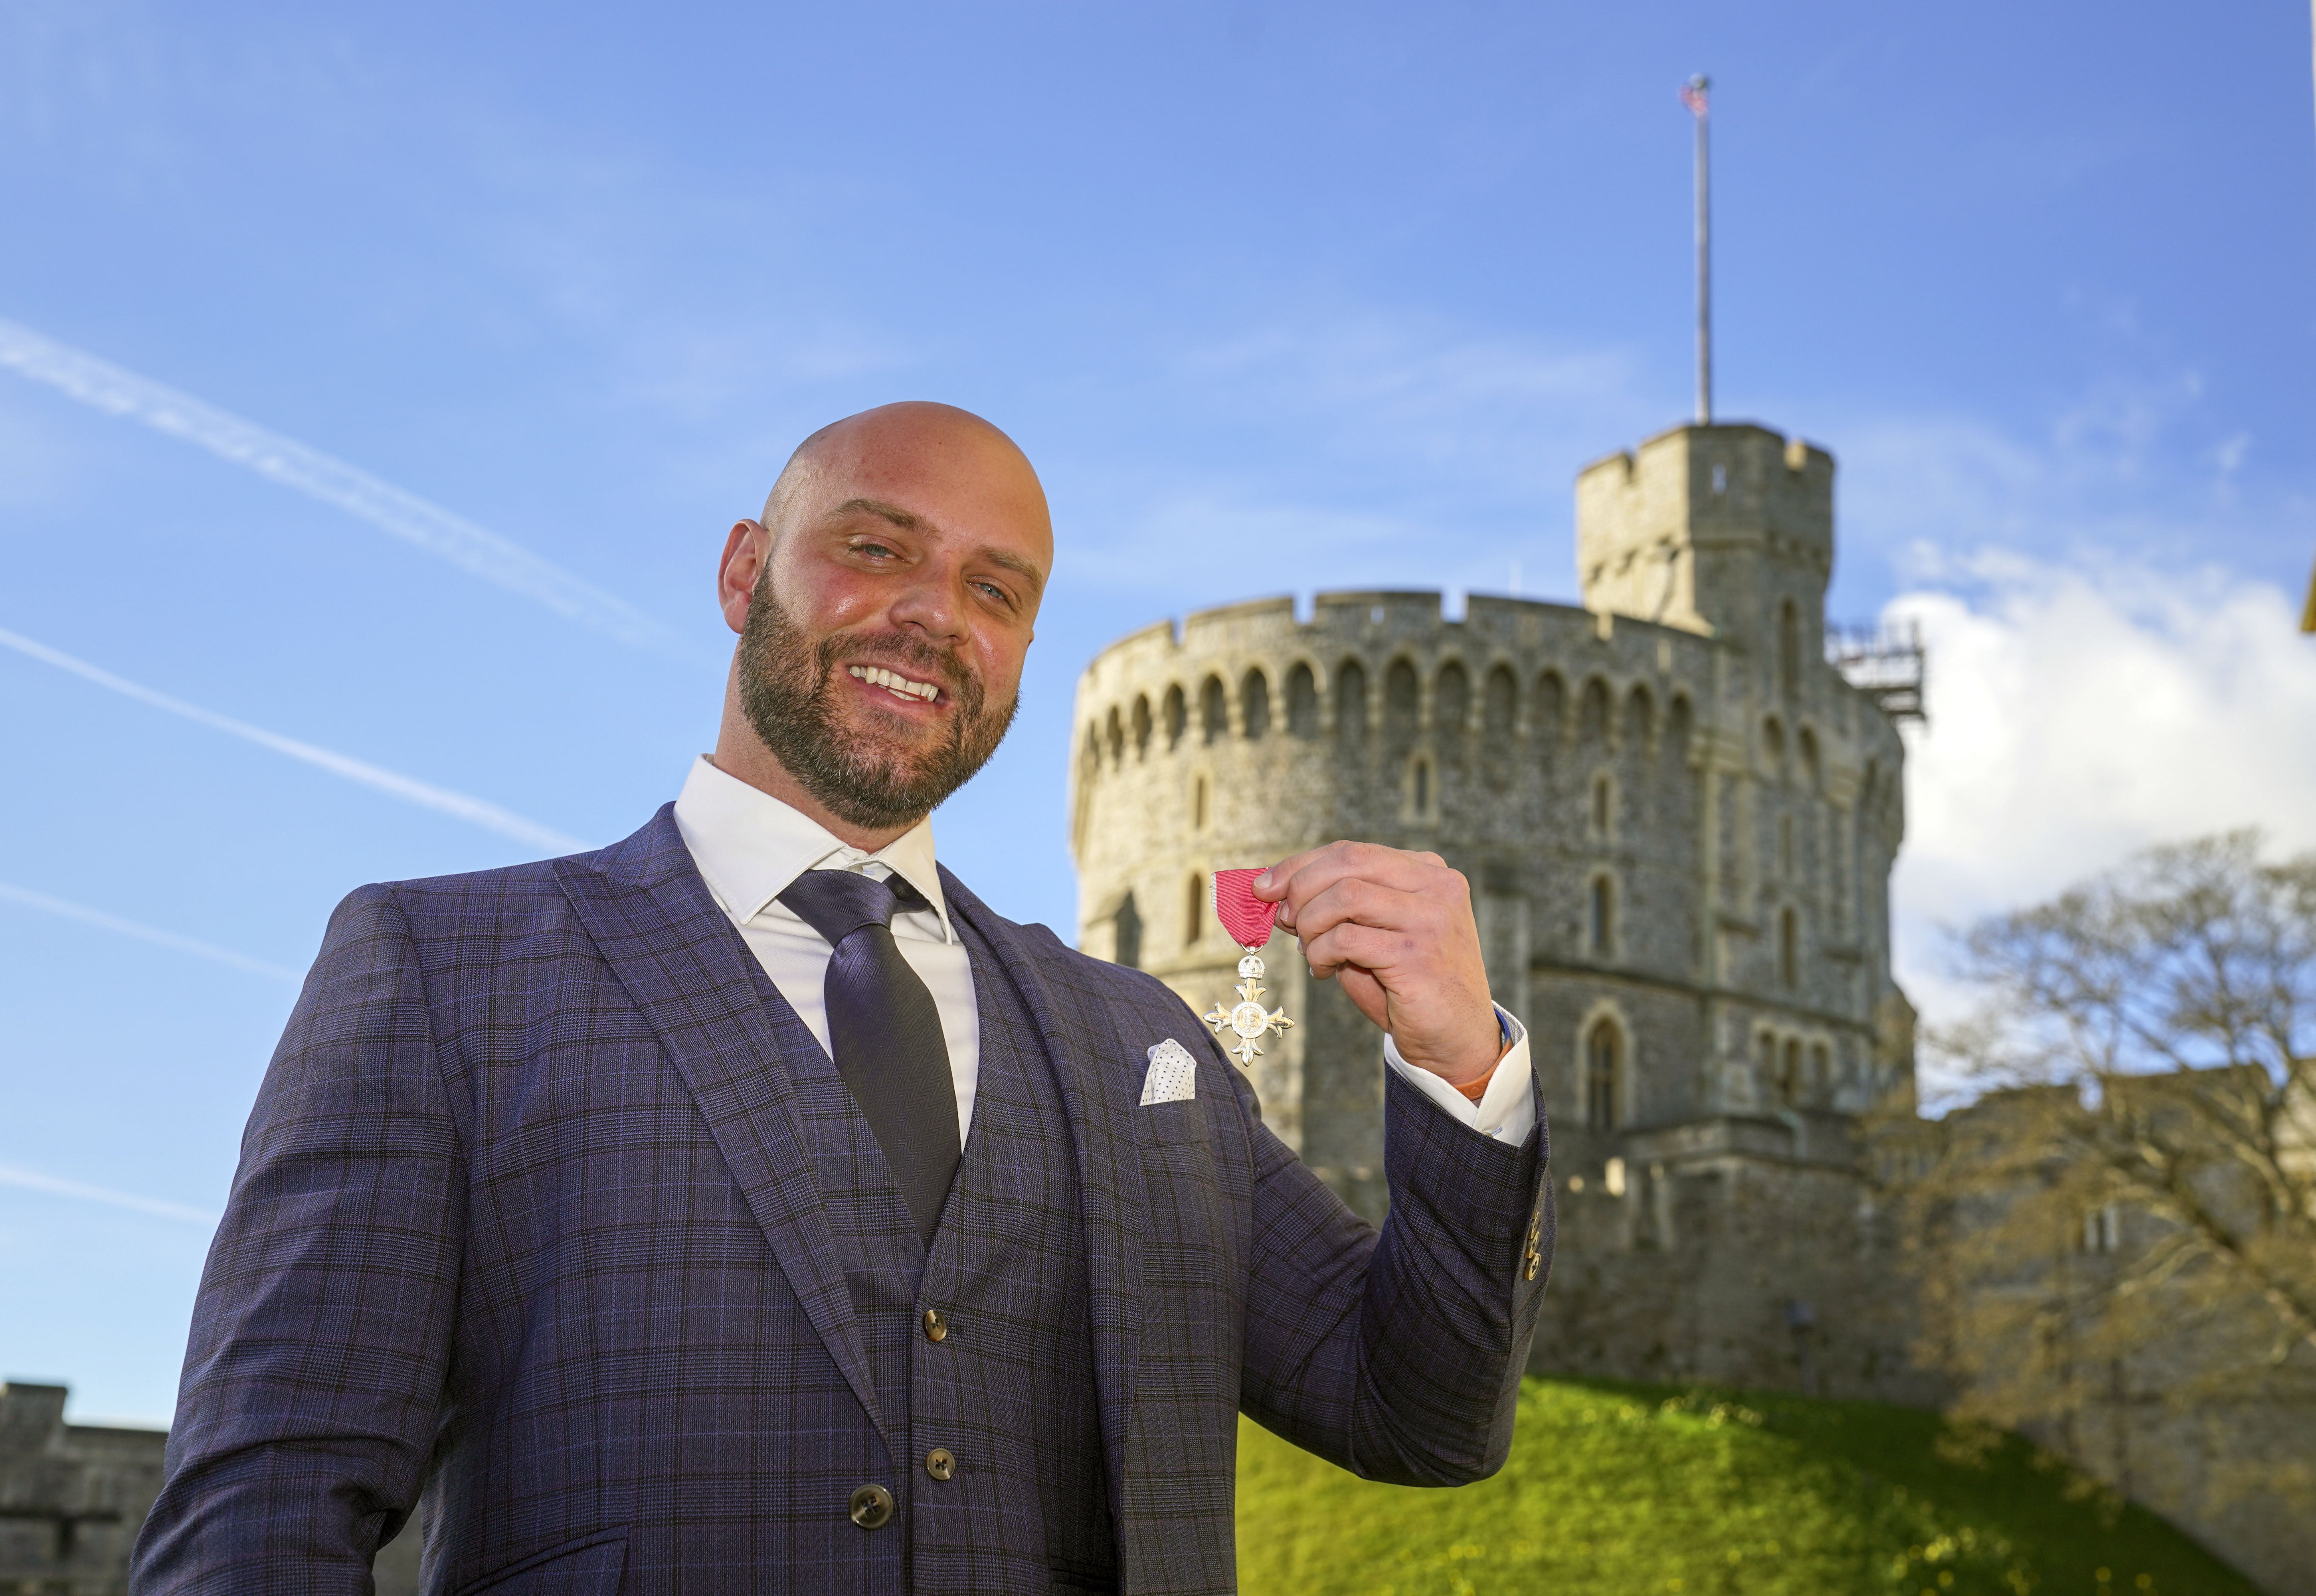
(1678, 821)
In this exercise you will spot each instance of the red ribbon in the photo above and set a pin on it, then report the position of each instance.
(1245, 915)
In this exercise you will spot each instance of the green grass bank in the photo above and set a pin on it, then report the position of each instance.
(1650, 1491)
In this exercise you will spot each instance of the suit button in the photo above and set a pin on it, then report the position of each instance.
(871, 1507)
(1527, 1268)
(940, 1463)
(936, 1327)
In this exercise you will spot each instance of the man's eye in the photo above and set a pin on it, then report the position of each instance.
(871, 548)
(995, 593)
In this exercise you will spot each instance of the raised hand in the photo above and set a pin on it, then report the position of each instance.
(1394, 930)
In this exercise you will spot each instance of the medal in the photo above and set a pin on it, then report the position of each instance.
(1248, 919)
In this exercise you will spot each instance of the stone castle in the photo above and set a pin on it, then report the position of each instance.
(1678, 820)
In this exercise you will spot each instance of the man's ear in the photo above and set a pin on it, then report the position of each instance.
(746, 548)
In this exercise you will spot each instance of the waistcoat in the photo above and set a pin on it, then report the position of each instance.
(1008, 1390)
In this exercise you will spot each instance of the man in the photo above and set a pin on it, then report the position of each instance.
(746, 1207)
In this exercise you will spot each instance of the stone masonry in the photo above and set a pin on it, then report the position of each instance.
(1678, 823)
(73, 1496)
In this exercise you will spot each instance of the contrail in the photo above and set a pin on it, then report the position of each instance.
(12, 1177)
(476, 549)
(152, 934)
(505, 822)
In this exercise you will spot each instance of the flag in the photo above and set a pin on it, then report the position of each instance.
(1692, 94)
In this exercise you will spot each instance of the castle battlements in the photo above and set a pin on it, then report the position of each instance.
(1677, 819)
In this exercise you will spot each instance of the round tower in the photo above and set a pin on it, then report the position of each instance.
(1676, 818)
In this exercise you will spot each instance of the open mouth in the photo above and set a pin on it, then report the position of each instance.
(894, 683)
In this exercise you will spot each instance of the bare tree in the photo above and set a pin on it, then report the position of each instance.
(2129, 1205)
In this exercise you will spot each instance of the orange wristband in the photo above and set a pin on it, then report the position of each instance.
(1474, 1090)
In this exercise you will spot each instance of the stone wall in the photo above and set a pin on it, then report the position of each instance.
(1678, 821)
(73, 1496)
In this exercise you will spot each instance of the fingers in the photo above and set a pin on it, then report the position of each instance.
(1395, 931)
(1353, 900)
(1295, 883)
(1376, 948)
(1338, 858)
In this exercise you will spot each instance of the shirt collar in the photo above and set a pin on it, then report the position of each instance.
(749, 846)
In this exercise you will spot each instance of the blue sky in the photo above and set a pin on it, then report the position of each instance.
(1279, 296)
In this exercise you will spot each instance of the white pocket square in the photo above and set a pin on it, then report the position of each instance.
(1174, 1075)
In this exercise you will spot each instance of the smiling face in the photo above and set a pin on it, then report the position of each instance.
(885, 605)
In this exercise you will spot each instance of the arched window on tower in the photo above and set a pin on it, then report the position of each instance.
(1789, 649)
(1127, 926)
(1603, 927)
(1141, 725)
(1198, 802)
(1789, 1075)
(1116, 737)
(1604, 807)
(1499, 705)
(1421, 799)
(1255, 697)
(1177, 717)
(1592, 719)
(1302, 703)
(1351, 702)
(1551, 718)
(1402, 699)
(1789, 949)
(1451, 701)
(1213, 710)
(1604, 1060)
(1194, 911)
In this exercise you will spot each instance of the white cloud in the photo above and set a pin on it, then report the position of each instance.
(2080, 711)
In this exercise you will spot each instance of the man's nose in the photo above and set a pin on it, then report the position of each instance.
(932, 602)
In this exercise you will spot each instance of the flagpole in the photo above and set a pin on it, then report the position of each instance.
(1695, 96)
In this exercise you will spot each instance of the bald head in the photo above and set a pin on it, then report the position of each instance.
(917, 438)
(885, 603)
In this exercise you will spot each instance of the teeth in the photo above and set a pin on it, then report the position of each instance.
(899, 685)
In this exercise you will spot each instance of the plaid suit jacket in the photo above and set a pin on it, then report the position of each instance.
(524, 1219)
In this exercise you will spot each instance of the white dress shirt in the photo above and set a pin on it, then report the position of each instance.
(749, 846)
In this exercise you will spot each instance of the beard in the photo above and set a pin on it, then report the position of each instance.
(788, 690)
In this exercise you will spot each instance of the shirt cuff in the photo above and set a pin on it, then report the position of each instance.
(1506, 1111)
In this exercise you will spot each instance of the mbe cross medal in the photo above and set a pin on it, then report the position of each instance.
(1248, 919)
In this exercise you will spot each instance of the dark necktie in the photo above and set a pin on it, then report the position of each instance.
(886, 1032)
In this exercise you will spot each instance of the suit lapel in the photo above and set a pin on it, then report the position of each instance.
(1078, 1035)
(684, 965)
